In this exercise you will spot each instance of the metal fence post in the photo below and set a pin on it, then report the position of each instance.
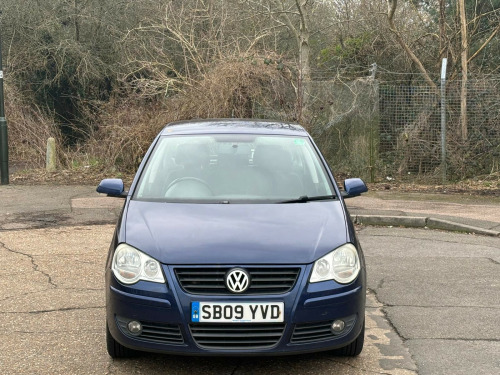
(373, 73)
(443, 119)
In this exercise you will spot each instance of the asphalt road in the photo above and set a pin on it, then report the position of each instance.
(441, 293)
(433, 308)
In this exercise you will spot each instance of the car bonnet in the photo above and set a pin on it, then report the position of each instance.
(183, 233)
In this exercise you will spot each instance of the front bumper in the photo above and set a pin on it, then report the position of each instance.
(165, 312)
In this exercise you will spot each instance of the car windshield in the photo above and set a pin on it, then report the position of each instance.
(234, 168)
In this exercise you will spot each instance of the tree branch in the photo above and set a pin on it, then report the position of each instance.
(484, 44)
(392, 5)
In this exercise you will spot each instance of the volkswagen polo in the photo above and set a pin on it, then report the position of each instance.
(234, 239)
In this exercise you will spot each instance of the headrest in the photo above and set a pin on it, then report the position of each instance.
(272, 157)
(192, 154)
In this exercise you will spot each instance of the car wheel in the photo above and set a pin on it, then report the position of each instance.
(355, 347)
(117, 350)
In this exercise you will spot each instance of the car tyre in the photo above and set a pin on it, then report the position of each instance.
(355, 347)
(117, 350)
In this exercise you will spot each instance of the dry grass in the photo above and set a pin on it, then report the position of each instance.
(239, 89)
(28, 129)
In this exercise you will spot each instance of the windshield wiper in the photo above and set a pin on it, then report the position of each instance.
(305, 198)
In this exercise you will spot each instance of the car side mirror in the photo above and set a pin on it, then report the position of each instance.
(112, 187)
(354, 187)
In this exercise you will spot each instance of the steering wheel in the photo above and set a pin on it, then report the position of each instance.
(187, 186)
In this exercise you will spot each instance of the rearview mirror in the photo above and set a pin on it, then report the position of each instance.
(354, 187)
(112, 187)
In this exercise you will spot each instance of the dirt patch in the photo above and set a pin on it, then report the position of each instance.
(86, 175)
(34, 221)
(461, 188)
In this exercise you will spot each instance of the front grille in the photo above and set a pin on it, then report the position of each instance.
(319, 331)
(210, 280)
(237, 336)
(153, 332)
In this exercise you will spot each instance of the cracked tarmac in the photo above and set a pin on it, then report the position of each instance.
(440, 291)
(432, 308)
(52, 305)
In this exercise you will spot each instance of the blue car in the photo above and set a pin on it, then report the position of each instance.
(234, 239)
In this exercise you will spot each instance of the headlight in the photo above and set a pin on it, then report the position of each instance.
(341, 265)
(130, 265)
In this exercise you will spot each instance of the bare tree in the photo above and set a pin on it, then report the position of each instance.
(296, 17)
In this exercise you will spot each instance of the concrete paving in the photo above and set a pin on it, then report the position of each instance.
(42, 206)
(440, 291)
(462, 213)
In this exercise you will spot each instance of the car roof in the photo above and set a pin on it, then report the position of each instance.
(244, 126)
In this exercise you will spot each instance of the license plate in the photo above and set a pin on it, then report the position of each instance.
(246, 312)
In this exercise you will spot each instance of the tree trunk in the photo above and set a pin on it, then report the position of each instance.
(304, 72)
(442, 30)
(464, 53)
(76, 21)
(304, 82)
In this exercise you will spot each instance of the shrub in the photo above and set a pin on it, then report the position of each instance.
(244, 88)
(28, 129)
